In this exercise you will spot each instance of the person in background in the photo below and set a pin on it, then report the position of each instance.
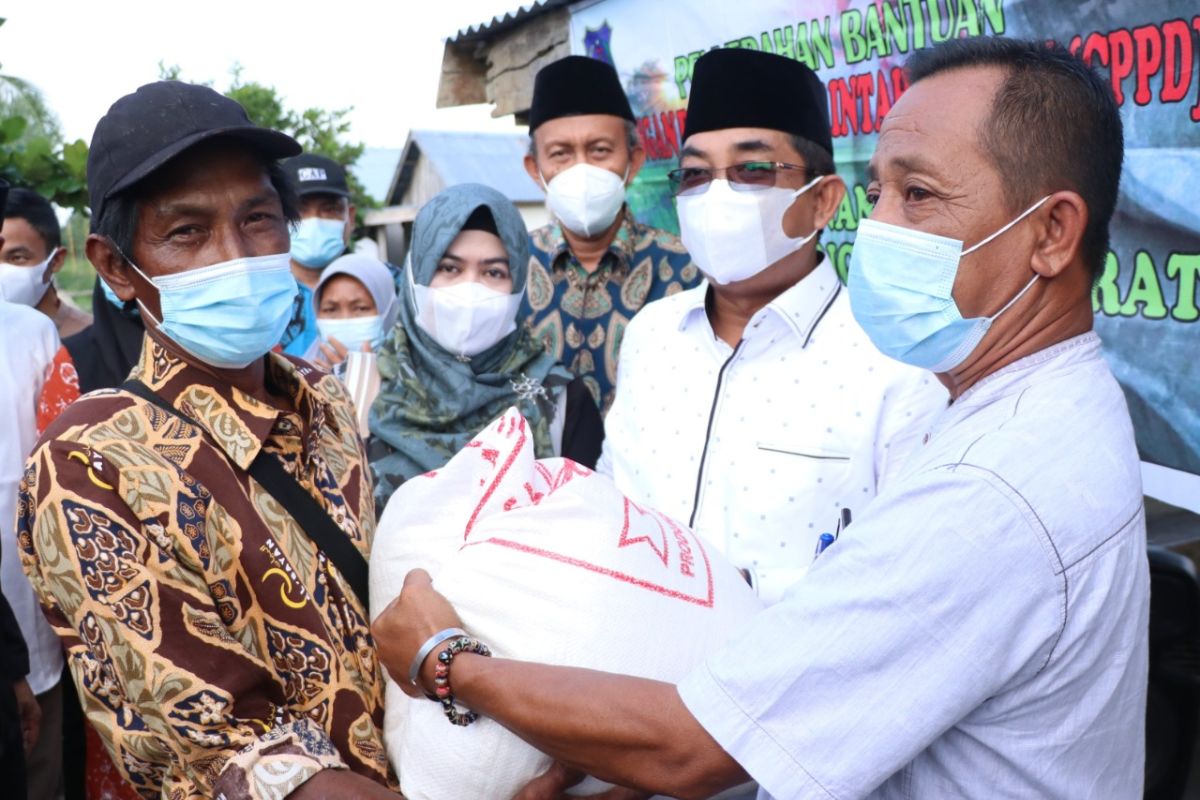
(98, 357)
(356, 307)
(595, 266)
(31, 660)
(218, 629)
(20, 714)
(32, 254)
(980, 630)
(754, 407)
(457, 358)
(322, 234)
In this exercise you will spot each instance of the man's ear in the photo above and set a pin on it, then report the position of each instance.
(110, 265)
(532, 168)
(637, 157)
(1059, 226)
(351, 223)
(827, 197)
(56, 263)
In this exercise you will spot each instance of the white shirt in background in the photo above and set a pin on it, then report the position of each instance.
(28, 342)
(981, 630)
(759, 447)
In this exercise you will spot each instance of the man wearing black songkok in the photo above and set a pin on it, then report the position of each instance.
(754, 407)
(594, 266)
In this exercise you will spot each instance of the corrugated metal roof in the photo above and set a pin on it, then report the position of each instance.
(493, 159)
(500, 23)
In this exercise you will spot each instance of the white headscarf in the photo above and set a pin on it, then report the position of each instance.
(371, 273)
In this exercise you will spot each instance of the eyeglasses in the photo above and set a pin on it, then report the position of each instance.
(749, 176)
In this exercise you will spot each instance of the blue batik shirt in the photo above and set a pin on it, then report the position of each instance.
(581, 316)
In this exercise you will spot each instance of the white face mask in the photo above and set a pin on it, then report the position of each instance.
(466, 318)
(734, 235)
(23, 285)
(585, 198)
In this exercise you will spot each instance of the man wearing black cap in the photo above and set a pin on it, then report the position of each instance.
(596, 266)
(326, 222)
(196, 538)
(755, 407)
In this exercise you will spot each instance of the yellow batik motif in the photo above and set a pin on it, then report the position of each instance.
(214, 649)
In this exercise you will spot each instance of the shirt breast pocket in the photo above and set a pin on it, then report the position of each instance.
(807, 471)
(813, 453)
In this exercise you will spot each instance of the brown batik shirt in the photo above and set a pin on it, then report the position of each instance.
(216, 651)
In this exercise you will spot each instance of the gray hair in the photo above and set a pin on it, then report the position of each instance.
(631, 137)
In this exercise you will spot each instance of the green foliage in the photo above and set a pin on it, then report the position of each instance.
(32, 152)
(318, 130)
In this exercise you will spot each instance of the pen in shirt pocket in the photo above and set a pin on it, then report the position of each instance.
(826, 539)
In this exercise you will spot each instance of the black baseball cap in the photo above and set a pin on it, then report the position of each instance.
(314, 174)
(143, 131)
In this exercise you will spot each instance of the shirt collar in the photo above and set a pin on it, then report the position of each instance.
(238, 423)
(802, 306)
(622, 248)
(1083, 346)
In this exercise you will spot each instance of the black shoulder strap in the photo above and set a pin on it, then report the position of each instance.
(308, 513)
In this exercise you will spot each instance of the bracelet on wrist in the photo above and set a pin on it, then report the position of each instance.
(441, 680)
(414, 670)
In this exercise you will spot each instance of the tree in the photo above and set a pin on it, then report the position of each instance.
(317, 130)
(32, 152)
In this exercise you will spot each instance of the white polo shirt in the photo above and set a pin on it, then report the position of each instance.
(981, 630)
(759, 447)
(28, 343)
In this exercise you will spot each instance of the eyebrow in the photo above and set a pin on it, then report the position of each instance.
(752, 146)
(498, 260)
(904, 164)
(192, 210)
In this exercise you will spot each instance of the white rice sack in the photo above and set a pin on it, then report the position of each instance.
(544, 561)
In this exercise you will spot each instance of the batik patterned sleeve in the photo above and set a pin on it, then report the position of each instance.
(172, 669)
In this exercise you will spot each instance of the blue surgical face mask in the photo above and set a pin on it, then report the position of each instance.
(229, 314)
(113, 300)
(901, 283)
(353, 331)
(317, 241)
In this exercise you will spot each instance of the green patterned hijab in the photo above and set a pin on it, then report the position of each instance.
(431, 403)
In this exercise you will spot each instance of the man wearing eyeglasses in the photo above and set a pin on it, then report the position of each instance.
(754, 407)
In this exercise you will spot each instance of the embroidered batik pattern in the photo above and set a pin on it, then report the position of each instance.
(217, 653)
(579, 316)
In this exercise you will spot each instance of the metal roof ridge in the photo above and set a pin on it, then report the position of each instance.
(498, 22)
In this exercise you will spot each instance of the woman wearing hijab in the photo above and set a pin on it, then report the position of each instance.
(457, 358)
(354, 303)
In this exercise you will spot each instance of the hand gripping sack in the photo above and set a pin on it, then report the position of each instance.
(544, 561)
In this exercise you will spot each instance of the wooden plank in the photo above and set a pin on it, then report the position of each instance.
(500, 70)
(389, 215)
(464, 77)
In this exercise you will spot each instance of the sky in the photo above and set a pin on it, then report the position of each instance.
(382, 58)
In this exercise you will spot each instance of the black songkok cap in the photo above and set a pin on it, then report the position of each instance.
(577, 85)
(143, 131)
(735, 88)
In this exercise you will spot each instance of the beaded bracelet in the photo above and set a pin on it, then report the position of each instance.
(441, 678)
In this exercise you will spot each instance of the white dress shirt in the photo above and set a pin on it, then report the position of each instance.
(28, 342)
(759, 447)
(981, 630)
